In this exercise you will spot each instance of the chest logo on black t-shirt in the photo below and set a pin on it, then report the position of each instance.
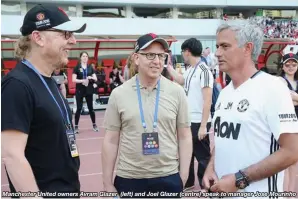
(243, 105)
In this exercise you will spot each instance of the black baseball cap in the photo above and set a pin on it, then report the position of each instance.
(289, 56)
(145, 41)
(43, 17)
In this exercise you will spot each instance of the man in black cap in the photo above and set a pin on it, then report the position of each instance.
(155, 144)
(39, 150)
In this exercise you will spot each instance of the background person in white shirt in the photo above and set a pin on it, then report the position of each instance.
(255, 125)
(198, 84)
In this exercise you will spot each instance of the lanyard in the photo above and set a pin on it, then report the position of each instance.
(187, 85)
(27, 63)
(141, 106)
(84, 73)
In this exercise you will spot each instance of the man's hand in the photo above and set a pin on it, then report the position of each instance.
(209, 178)
(202, 132)
(225, 184)
(110, 188)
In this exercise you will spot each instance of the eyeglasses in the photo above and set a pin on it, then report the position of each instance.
(151, 56)
(67, 34)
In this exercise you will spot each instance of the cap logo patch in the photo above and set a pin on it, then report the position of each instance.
(291, 55)
(61, 9)
(153, 35)
(40, 16)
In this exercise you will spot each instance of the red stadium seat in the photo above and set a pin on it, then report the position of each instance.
(122, 65)
(108, 65)
(71, 85)
(261, 65)
(261, 61)
(91, 60)
(72, 63)
(108, 62)
(9, 64)
(108, 70)
(122, 62)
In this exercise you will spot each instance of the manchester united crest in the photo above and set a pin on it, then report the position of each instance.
(243, 105)
(40, 16)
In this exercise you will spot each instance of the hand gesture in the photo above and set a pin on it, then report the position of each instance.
(226, 184)
(209, 178)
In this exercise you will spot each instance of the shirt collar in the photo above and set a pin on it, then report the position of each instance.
(162, 81)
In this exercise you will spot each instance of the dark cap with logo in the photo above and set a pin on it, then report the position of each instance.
(145, 41)
(43, 17)
(289, 56)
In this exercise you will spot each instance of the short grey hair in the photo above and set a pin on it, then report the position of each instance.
(246, 31)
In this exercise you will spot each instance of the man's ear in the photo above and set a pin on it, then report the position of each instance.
(248, 48)
(38, 38)
(136, 59)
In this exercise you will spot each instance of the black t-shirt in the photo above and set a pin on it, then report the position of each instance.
(117, 80)
(27, 106)
(79, 71)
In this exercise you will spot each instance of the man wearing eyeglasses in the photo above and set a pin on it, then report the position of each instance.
(39, 150)
(151, 112)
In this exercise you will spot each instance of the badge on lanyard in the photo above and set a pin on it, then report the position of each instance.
(150, 142)
(72, 143)
(69, 131)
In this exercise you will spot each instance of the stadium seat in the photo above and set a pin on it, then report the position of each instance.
(261, 61)
(261, 65)
(122, 64)
(9, 64)
(73, 63)
(71, 85)
(108, 65)
(101, 90)
(108, 62)
(92, 60)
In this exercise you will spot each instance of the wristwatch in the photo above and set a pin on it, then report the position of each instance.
(241, 180)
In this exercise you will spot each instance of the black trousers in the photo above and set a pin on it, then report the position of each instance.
(201, 151)
(149, 188)
(79, 100)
